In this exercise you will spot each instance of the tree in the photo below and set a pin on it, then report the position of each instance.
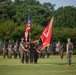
(13, 19)
(6, 29)
(65, 17)
(49, 6)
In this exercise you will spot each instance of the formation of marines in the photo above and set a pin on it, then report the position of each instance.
(30, 52)
(9, 50)
(27, 52)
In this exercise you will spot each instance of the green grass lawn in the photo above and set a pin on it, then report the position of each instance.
(47, 66)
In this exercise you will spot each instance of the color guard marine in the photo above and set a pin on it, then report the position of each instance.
(34, 47)
(23, 51)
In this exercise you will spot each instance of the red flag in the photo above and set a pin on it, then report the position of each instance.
(27, 28)
(47, 35)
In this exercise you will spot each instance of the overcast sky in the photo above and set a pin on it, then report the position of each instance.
(60, 3)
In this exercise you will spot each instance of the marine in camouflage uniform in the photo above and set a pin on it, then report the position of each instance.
(22, 50)
(10, 51)
(31, 52)
(34, 51)
(61, 51)
(17, 46)
(69, 48)
(15, 51)
(27, 53)
(43, 53)
(48, 51)
(4, 51)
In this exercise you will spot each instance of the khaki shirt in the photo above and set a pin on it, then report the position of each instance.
(70, 45)
(21, 44)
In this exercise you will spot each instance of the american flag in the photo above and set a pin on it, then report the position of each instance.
(27, 30)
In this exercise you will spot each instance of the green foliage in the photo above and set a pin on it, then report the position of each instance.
(18, 32)
(13, 19)
(74, 52)
(6, 29)
(63, 34)
(49, 6)
(36, 31)
(65, 17)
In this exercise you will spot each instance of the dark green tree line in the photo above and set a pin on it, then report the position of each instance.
(13, 18)
(65, 17)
